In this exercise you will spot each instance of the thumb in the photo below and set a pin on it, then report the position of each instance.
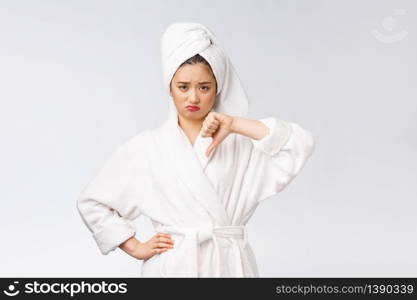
(218, 137)
(212, 146)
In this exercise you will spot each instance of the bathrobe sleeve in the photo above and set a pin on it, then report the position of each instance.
(106, 205)
(277, 158)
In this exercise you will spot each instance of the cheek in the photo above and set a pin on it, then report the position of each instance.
(178, 97)
(209, 98)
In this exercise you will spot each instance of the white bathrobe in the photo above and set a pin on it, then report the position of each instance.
(204, 203)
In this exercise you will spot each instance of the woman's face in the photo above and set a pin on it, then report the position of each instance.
(193, 85)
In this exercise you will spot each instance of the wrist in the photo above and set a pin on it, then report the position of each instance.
(233, 127)
(130, 245)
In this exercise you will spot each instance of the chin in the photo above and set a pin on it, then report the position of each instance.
(193, 115)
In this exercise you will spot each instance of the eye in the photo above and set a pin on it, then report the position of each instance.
(205, 88)
(182, 87)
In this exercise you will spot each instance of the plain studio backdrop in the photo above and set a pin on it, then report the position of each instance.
(78, 78)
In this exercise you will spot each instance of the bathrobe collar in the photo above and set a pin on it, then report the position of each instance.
(190, 162)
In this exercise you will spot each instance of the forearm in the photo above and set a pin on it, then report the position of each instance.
(251, 128)
(130, 246)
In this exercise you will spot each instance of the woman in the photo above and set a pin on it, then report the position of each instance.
(200, 176)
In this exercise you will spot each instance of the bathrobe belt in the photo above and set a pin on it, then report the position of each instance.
(193, 236)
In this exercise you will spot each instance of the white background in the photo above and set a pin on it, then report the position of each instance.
(77, 78)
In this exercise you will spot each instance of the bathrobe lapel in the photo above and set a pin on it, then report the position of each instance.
(190, 163)
(200, 146)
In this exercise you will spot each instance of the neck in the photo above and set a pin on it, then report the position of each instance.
(191, 128)
(188, 125)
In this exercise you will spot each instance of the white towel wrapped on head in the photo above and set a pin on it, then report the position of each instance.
(183, 40)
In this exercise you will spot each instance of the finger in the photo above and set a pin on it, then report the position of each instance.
(218, 138)
(213, 126)
(207, 132)
(216, 122)
(211, 148)
(162, 234)
(165, 240)
(159, 250)
(156, 237)
(163, 245)
(213, 120)
(211, 116)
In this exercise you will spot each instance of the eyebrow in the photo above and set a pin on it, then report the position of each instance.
(203, 82)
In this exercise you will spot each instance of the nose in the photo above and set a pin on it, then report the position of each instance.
(193, 96)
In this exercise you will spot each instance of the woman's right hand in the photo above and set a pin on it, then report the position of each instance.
(159, 243)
